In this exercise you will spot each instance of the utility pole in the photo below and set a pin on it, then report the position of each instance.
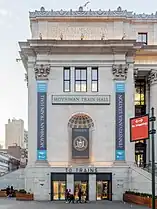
(152, 119)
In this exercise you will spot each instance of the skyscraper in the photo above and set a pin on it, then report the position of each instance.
(14, 133)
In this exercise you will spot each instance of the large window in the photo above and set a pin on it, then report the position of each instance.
(80, 79)
(140, 93)
(94, 79)
(66, 80)
(142, 37)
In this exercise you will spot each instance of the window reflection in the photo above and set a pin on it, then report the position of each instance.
(80, 79)
(66, 79)
(94, 81)
(140, 93)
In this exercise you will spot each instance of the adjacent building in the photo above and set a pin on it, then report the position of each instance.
(88, 73)
(14, 133)
(8, 163)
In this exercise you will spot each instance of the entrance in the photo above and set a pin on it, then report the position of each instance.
(83, 185)
(104, 186)
(81, 182)
(59, 188)
(102, 190)
(140, 154)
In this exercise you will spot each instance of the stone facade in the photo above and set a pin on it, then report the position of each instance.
(58, 42)
(117, 24)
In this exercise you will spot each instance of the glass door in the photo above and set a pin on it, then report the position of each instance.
(55, 190)
(139, 159)
(62, 190)
(102, 190)
(83, 185)
(59, 188)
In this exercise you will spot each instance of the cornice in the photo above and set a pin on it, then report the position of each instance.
(118, 13)
(34, 47)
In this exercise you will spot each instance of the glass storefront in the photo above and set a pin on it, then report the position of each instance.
(102, 190)
(81, 181)
(59, 188)
(104, 186)
(84, 188)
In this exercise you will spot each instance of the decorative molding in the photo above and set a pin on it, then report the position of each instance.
(120, 71)
(152, 78)
(42, 72)
(119, 12)
(135, 73)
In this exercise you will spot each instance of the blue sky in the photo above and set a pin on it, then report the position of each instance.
(14, 27)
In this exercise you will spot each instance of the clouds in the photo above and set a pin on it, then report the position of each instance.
(4, 12)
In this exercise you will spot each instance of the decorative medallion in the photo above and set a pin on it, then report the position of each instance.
(80, 143)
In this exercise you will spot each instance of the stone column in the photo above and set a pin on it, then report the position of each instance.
(120, 76)
(153, 103)
(41, 74)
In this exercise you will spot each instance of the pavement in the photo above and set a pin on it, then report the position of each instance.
(13, 204)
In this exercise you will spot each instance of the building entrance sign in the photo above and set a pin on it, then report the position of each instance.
(139, 128)
(80, 99)
(81, 170)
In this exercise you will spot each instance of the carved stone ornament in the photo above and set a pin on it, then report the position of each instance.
(119, 12)
(120, 72)
(26, 78)
(135, 73)
(152, 78)
(42, 72)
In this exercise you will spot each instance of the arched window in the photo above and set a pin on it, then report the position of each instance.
(81, 120)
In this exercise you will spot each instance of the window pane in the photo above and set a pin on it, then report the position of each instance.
(137, 97)
(83, 86)
(144, 38)
(138, 90)
(66, 85)
(94, 74)
(142, 97)
(83, 75)
(77, 74)
(77, 86)
(139, 38)
(137, 103)
(66, 74)
(142, 102)
(94, 86)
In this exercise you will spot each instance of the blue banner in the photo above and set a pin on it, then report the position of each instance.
(41, 120)
(120, 121)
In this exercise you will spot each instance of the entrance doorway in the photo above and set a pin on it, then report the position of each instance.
(104, 186)
(81, 182)
(83, 185)
(140, 154)
(102, 190)
(59, 188)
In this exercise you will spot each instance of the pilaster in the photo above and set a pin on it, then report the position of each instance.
(41, 74)
(32, 114)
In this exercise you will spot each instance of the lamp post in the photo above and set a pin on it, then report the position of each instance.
(153, 132)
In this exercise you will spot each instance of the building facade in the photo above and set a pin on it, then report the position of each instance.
(8, 163)
(14, 133)
(88, 73)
